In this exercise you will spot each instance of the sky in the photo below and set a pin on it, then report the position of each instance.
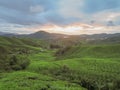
(60, 16)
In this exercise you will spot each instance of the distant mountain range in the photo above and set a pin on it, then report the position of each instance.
(44, 35)
(2, 33)
(54, 36)
(7, 34)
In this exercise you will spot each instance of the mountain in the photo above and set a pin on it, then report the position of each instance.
(2, 33)
(7, 34)
(104, 38)
(44, 35)
(55, 37)
(47, 35)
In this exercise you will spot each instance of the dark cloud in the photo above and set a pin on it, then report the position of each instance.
(25, 11)
(24, 5)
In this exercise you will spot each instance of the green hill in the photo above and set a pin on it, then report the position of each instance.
(19, 62)
(9, 44)
(29, 64)
(95, 66)
(14, 51)
(90, 51)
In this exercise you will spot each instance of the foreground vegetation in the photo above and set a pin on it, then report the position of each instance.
(92, 67)
(80, 67)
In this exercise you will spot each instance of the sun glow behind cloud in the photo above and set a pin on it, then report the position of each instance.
(70, 29)
(75, 29)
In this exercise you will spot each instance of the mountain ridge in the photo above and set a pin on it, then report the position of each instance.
(103, 37)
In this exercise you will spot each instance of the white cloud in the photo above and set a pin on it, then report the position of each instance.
(36, 9)
(15, 28)
(71, 8)
(106, 15)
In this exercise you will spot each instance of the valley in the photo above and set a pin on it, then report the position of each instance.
(33, 64)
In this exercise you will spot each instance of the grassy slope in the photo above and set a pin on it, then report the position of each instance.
(12, 44)
(93, 51)
(98, 65)
(30, 79)
(24, 80)
(33, 78)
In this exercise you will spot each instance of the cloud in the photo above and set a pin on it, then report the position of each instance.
(24, 12)
(90, 10)
(29, 13)
(71, 8)
(93, 6)
(36, 9)
(105, 16)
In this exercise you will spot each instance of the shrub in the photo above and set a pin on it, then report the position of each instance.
(19, 62)
(4, 62)
(62, 50)
(54, 46)
(14, 62)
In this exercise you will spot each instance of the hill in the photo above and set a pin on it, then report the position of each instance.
(54, 37)
(17, 55)
(86, 38)
(44, 35)
(13, 52)
(91, 65)
(90, 51)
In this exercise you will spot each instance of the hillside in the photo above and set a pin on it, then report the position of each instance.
(43, 35)
(14, 43)
(90, 51)
(63, 64)
(54, 37)
(17, 55)
(95, 38)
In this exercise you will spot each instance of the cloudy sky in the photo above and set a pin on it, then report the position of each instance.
(60, 16)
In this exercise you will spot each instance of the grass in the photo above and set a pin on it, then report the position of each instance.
(96, 51)
(83, 63)
(94, 67)
(31, 78)
(24, 80)
(12, 44)
(100, 67)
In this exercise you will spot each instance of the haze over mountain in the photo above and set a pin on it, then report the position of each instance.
(95, 38)
(2, 33)
(46, 35)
